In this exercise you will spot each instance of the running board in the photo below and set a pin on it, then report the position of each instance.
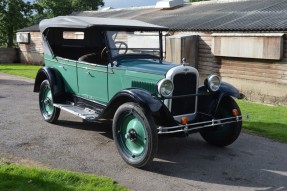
(84, 113)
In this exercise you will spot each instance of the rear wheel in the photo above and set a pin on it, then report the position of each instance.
(135, 135)
(48, 111)
(226, 134)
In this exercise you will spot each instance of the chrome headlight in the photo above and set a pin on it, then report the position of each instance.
(165, 87)
(213, 83)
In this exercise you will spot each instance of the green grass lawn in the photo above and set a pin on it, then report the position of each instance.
(20, 178)
(268, 121)
(25, 70)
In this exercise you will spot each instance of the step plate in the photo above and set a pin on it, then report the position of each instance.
(84, 113)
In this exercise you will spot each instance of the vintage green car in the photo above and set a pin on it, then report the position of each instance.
(100, 68)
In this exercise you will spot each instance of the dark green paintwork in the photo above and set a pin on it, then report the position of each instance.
(127, 73)
(101, 82)
(151, 87)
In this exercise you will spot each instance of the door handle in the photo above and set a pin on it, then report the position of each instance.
(63, 67)
(89, 73)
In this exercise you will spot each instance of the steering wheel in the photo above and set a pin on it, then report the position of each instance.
(119, 45)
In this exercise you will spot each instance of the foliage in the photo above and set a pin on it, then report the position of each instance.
(25, 70)
(265, 120)
(20, 178)
(53, 8)
(14, 14)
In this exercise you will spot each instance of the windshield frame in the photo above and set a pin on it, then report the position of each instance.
(145, 56)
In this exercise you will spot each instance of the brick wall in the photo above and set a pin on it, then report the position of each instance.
(32, 53)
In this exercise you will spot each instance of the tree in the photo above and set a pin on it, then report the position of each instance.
(53, 8)
(14, 14)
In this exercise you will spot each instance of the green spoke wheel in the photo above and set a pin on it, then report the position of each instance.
(48, 111)
(135, 135)
(224, 135)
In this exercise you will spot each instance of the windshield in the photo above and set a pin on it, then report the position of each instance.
(134, 43)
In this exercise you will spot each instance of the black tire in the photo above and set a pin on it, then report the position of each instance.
(48, 111)
(135, 135)
(226, 134)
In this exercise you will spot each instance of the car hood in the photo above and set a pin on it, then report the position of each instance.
(146, 65)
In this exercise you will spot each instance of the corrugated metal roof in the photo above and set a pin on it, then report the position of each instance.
(252, 15)
(249, 15)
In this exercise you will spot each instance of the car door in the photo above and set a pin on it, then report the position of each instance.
(92, 81)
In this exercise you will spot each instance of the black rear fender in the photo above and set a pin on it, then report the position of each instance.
(55, 80)
(157, 109)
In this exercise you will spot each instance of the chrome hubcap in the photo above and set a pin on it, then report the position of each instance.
(131, 135)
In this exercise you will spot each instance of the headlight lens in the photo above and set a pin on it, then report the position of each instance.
(213, 82)
(165, 87)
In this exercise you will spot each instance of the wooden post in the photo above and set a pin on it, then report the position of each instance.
(182, 46)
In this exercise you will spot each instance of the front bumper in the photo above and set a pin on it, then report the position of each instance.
(198, 125)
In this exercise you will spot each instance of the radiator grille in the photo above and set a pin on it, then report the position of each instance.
(184, 84)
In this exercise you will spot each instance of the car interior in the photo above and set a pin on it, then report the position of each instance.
(77, 44)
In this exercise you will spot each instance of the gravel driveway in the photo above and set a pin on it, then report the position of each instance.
(251, 163)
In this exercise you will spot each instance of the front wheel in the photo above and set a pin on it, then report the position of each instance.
(48, 111)
(135, 135)
(223, 135)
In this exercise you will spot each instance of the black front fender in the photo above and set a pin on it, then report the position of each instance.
(209, 103)
(227, 89)
(55, 80)
(158, 110)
